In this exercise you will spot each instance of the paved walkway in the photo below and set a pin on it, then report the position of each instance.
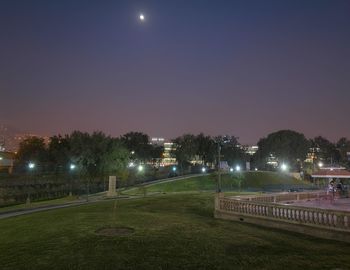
(37, 209)
(337, 204)
(93, 198)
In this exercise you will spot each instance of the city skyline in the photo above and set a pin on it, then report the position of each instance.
(189, 67)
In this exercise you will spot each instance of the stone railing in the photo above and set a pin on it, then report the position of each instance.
(282, 197)
(266, 210)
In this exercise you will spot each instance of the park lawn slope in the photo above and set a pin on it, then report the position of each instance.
(174, 231)
(249, 181)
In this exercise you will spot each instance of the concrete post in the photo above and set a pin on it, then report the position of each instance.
(112, 184)
(218, 196)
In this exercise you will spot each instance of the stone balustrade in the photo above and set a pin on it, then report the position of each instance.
(269, 210)
(288, 196)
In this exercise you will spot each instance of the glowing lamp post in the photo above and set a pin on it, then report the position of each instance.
(72, 168)
(31, 167)
(284, 167)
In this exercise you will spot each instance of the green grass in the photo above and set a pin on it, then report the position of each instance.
(36, 204)
(251, 181)
(171, 232)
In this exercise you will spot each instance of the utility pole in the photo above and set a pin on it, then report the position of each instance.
(219, 168)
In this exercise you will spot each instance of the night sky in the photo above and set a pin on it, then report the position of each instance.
(243, 68)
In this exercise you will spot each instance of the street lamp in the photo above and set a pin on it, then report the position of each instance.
(320, 164)
(174, 169)
(140, 168)
(204, 170)
(231, 169)
(31, 166)
(131, 164)
(284, 167)
(238, 168)
(72, 167)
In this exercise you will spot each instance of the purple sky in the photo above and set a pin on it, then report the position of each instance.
(244, 68)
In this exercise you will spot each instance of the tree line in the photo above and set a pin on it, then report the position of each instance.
(98, 154)
(293, 148)
(92, 154)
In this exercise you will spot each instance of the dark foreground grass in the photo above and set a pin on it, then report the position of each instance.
(171, 232)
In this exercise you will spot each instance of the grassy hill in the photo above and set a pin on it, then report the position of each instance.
(249, 181)
(174, 231)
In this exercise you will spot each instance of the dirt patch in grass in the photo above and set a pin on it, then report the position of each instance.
(115, 231)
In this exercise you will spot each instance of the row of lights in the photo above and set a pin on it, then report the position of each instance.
(32, 165)
(284, 167)
(237, 169)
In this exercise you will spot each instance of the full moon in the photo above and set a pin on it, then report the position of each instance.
(142, 17)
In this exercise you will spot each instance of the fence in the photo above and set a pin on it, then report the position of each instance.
(267, 210)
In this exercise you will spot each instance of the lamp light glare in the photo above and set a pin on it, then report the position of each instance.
(131, 165)
(284, 167)
(31, 165)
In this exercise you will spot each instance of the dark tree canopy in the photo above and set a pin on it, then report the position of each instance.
(97, 154)
(32, 149)
(231, 151)
(139, 145)
(59, 153)
(286, 145)
(327, 151)
(205, 148)
(343, 146)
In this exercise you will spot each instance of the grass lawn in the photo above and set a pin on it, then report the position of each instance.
(175, 231)
(251, 181)
(35, 204)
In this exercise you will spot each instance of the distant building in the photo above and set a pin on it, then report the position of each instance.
(6, 161)
(167, 159)
(250, 149)
(272, 161)
(10, 138)
(157, 141)
(312, 155)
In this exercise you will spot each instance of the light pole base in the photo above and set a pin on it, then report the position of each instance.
(28, 201)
